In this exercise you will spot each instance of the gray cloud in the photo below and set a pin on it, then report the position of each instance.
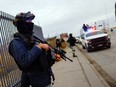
(59, 16)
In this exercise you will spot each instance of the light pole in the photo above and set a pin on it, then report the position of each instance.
(115, 11)
(107, 24)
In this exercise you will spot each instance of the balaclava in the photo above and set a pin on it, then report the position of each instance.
(23, 22)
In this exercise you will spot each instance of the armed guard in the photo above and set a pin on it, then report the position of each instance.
(33, 59)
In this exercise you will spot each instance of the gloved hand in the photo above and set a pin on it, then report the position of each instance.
(43, 46)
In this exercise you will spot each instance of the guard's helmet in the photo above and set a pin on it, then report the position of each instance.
(70, 34)
(23, 22)
(24, 17)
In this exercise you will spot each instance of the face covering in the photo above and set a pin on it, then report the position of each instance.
(25, 27)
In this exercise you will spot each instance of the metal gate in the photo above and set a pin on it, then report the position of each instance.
(9, 73)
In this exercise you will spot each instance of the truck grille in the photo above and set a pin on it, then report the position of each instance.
(97, 41)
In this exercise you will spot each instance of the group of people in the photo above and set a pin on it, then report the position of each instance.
(71, 40)
(34, 59)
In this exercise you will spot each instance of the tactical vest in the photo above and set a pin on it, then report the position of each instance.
(43, 62)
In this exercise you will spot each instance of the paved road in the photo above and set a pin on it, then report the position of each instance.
(105, 58)
(79, 73)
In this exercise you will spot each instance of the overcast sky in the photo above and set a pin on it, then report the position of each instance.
(61, 16)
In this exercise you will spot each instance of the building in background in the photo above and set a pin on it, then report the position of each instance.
(38, 32)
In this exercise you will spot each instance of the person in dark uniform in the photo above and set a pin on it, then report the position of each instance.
(58, 44)
(33, 59)
(111, 30)
(85, 27)
(72, 40)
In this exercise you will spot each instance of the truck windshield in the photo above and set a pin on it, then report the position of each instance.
(94, 33)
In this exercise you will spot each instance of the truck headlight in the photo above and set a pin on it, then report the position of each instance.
(88, 41)
(107, 37)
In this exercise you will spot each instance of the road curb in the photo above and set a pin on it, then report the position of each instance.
(92, 74)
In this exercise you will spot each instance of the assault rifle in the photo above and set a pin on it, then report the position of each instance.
(55, 50)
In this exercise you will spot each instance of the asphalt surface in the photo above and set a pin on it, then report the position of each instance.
(79, 73)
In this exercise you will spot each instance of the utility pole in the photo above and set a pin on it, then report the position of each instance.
(107, 24)
(115, 11)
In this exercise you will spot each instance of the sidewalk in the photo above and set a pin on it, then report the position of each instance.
(78, 73)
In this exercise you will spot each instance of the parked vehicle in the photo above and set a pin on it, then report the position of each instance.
(78, 39)
(95, 39)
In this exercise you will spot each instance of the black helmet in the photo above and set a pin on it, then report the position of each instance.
(24, 17)
(23, 22)
(70, 34)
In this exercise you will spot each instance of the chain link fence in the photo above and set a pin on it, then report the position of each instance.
(9, 72)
